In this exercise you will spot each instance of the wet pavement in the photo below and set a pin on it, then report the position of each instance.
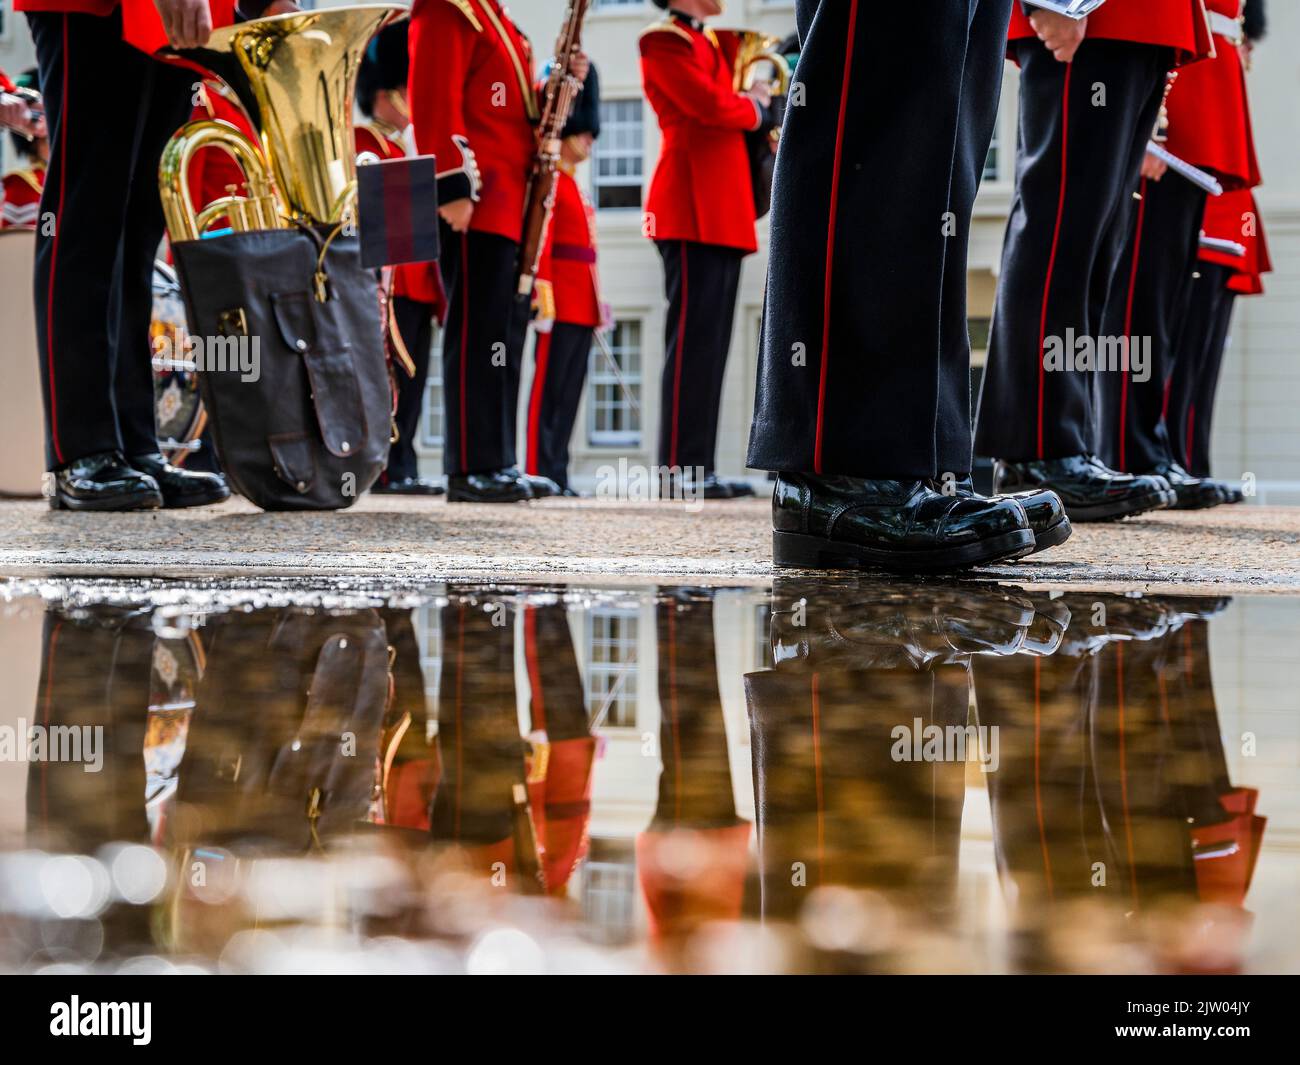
(601, 541)
(802, 775)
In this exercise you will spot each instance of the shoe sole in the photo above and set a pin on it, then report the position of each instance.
(800, 551)
(139, 501)
(1121, 508)
(1052, 537)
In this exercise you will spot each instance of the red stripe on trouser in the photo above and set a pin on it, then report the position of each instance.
(830, 243)
(535, 400)
(464, 348)
(677, 369)
(1128, 323)
(1056, 242)
(54, 249)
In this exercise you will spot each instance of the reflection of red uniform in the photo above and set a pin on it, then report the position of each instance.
(1209, 116)
(22, 198)
(1177, 24)
(471, 77)
(701, 186)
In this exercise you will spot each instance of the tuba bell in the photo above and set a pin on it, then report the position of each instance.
(752, 48)
(295, 76)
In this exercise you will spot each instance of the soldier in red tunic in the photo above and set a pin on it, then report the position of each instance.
(1208, 119)
(471, 87)
(21, 196)
(1090, 91)
(568, 299)
(700, 214)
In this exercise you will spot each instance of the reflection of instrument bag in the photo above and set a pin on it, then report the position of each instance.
(284, 750)
(301, 417)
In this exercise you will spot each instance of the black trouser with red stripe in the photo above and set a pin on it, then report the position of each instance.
(864, 365)
(414, 321)
(482, 350)
(1077, 167)
(701, 281)
(109, 109)
(561, 369)
(1147, 304)
(1201, 344)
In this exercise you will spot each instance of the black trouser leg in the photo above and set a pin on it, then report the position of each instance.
(1147, 304)
(1077, 165)
(1196, 336)
(414, 321)
(1201, 415)
(701, 282)
(479, 379)
(561, 370)
(859, 363)
(557, 701)
(166, 105)
(95, 146)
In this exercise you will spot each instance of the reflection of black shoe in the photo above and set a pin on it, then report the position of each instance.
(538, 487)
(494, 486)
(1043, 508)
(406, 486)
(182, 488)
(1089, 490)
(850, 523)
(103, 482)
(1193, 493)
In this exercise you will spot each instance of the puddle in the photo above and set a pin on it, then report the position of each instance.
(814, 776)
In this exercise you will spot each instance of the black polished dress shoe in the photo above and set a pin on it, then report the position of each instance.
(1192, 493)
(103, 482)
(851, 523)
(182, 488)
(1043, 508)
(1229, 492)
(1090, 490)
(538, 487)
(494, 486)
(406, 486)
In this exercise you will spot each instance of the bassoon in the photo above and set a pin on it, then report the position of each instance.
(562, 88)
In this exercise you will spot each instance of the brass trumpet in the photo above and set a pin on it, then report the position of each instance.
(295, 75)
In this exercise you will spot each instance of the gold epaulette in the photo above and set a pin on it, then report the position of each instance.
(26, 176)
(666, 26)
(466, 8)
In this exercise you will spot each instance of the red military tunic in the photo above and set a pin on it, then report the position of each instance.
(22, 197)
(1209, 114)
(1177, 24)
(1234, 216)
(701, 187)
(472, 77)
(569, 255)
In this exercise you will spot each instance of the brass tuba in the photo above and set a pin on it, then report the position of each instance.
(754, 47)
(295, 75)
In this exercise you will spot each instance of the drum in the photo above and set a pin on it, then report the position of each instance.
(178, 409)
(22, 428)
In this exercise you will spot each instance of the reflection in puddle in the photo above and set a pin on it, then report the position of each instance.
(819, 776)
